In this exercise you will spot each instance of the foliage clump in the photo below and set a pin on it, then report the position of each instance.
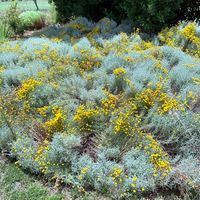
(32, 19)
(118, 115)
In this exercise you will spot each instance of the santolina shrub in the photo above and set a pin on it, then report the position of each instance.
(118, 115)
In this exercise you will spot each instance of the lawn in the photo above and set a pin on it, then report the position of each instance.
(25, 5)
(15, 184)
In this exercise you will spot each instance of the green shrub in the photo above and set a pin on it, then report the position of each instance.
(10, 23)
(32, 19)
(51, 17)
(148, 15)
(4, 29)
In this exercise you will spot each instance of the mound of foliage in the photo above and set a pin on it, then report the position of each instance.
(82, 27)
(148, 15)
(184, 35)
(118, 115)
(32, 19)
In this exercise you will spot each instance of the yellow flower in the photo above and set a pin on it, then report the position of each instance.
(134, 178)
(117, 175)
(189, 32)
(27, 87)
(42, 111)
(56, 40)
(85, 117)
(133, 185)
(84, 170)
(196, 80)
(119, 71)
(109, 103)
(56, 124)
(117, 172)
(1, 69)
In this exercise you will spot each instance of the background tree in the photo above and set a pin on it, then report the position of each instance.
(148, 15)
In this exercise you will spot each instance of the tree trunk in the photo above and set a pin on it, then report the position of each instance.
(35, 1)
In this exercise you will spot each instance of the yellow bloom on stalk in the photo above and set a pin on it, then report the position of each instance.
(117, 175)
(1, 70)
(127, 121)
(143, 46)
(189, 32)
(56, 124)
(196, 80)
(82, 113)
(119, 71)
(40, 157)
(84, 170)
(158, 157)
(27, 87)
(134, 178)
(56, 40)
(117, 172)
(80, 27)
(85, 117)
(169, 105)
(109, 103)
(43, 110)
(150, 97)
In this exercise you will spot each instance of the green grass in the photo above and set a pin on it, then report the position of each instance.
(25, 5)
(16, 185)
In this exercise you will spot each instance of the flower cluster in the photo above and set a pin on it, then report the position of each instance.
(158, 157)
(189, 32)
(85, 117)
(184, 35)
(196, 80)
(1, 71)
(88, 60)
(27, 87)
(133, 185)
(157, 97)
(43, 110)
(127, 123)
(167, 37)
(110, 103)
(83, 172)
(56, 124)
(40, 157)
(119, 71)
(117, 175)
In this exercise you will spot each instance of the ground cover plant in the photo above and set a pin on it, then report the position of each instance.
(96, 109)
